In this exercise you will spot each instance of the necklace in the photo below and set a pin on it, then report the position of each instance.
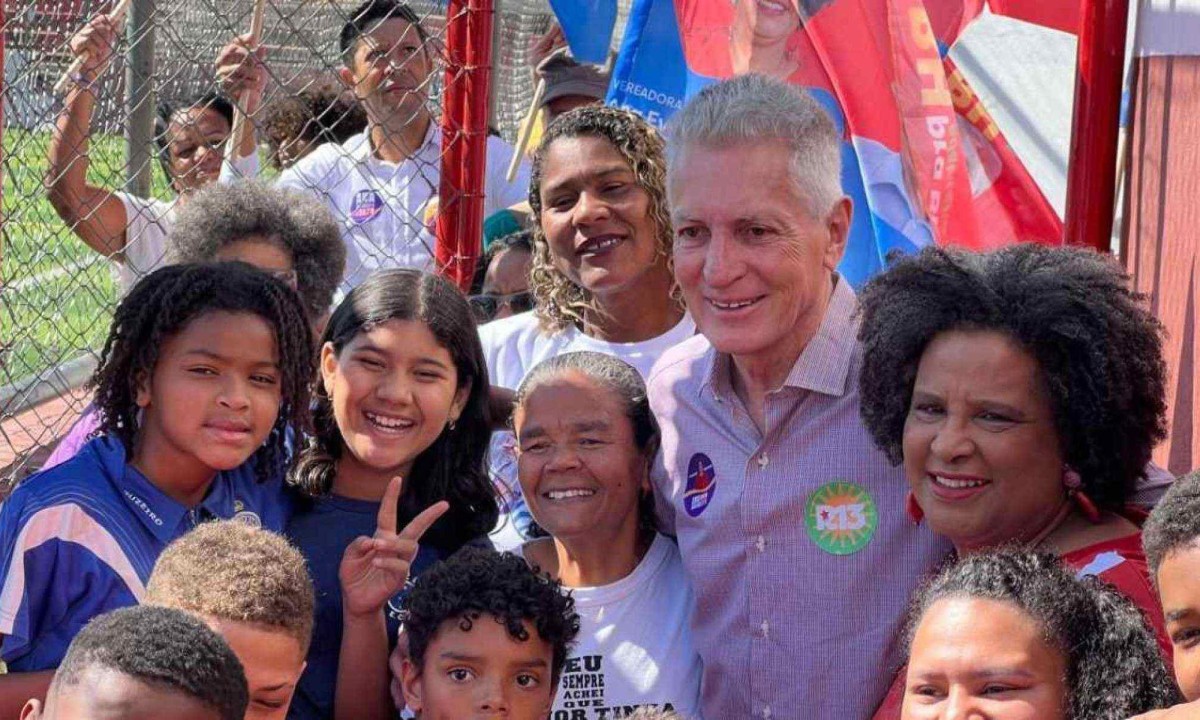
(1063, 511)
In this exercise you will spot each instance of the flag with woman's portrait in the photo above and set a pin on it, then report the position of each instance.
(923, 160)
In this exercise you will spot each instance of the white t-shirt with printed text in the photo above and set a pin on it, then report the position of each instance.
(387, 210)
(514, 346)
(634, 647)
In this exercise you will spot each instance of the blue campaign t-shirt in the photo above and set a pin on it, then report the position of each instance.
(322, 531)
(81, 539)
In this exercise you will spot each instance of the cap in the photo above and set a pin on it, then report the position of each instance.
(565, 76)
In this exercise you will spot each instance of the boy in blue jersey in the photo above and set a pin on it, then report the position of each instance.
(141, 663)
(205, 368)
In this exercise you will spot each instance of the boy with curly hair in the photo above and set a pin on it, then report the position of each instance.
(487, 636)
(253, 588)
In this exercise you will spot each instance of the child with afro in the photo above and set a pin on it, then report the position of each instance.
(253, 588)
(487, 637)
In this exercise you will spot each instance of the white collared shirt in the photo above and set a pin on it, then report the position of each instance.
(387, 210)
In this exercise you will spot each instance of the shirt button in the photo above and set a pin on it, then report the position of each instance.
(766, 711)
(761, 543)
(763, 461)
(765, 628)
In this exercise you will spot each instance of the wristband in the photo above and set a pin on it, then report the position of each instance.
(82, 81)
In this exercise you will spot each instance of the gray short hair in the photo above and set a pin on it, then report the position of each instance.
(220, 215)
(756, 108)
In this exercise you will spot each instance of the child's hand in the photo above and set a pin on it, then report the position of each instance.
(375, 568)
(1190, 711)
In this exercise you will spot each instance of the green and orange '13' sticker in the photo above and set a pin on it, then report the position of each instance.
(841, 518)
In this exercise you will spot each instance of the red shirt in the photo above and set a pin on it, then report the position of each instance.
(1120, 563)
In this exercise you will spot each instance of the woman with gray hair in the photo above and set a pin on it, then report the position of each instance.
(601, 277)
(587, 439)
(283, 233)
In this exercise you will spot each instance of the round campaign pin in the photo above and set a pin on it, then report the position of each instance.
(841, 517)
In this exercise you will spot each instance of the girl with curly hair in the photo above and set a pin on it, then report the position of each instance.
(1013, 634)
(1023, 392)
(403, 393)
(602, 275)
(205, 370)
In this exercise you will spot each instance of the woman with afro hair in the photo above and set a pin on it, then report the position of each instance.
(1013, 634)
(1023, 391)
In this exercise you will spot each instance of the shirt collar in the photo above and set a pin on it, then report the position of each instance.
(358, 147)
(161, 514)
(823, 366)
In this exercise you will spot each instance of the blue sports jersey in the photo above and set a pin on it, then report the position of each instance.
(81, 539)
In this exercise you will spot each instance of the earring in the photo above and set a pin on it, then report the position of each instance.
(1074, 485)
(450, 425)
(913, 508)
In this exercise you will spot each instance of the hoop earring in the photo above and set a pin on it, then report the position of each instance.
(1074, 485)
(913, 509)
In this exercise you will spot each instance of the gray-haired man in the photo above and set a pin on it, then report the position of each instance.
(790, 522)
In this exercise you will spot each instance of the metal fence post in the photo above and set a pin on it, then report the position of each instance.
(139, 98)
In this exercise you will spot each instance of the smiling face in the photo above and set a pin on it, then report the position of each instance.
(770, 20)
(273, 661)
(980, 447)
(196, 147)
(581, 471)
(481, 673)
(389, 72)
(596, 219)
(985, 660)
(211, 400)
(1178, 581)
(393, 389)
(755, 266)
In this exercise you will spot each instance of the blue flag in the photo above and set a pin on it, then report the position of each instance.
(588, 27)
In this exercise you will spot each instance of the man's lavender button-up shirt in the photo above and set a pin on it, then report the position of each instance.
(795, 540)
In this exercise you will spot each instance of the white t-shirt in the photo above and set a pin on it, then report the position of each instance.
(634, 646)
(514, 346)
(387, 210)
(147, 222)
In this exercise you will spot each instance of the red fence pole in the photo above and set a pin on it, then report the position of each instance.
(464, 138)
(1092, 174)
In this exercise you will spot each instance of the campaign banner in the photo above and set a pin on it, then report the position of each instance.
(587, 26)
(922, 159)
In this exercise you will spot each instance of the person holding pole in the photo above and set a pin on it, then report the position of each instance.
(382, 184)
(129, 229)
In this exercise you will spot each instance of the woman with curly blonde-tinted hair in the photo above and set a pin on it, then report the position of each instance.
(602, 275)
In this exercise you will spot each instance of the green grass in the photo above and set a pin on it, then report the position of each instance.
(48, 318)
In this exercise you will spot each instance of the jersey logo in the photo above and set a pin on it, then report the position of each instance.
(701, 484)
(367, 204)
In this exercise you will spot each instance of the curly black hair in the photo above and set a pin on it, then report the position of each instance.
(1097, 345)
(454, 468)
(560, 302)
(1115, 668)
(219, 215)
(475, 582)
(163, 303)
(315, 109)
(1174, 524)
(163, 647)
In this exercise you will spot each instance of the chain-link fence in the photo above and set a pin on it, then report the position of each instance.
(65, 264)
